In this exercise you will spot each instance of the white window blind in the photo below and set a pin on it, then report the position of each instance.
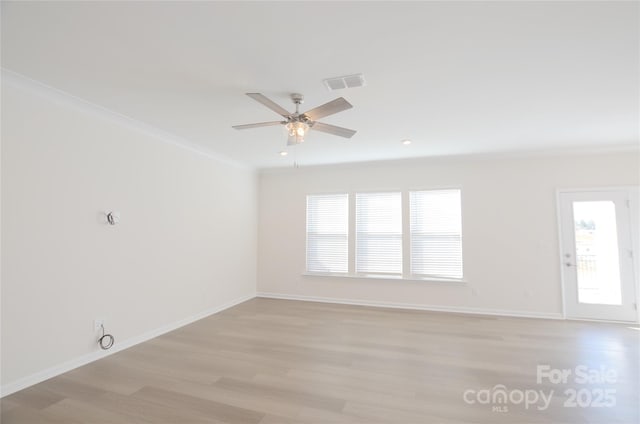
(436, 233)
(328, 233)
(379, 233)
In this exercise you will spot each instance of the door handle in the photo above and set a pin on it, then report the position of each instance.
(569, 264)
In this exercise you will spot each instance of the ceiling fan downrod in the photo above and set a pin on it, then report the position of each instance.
(298, 99)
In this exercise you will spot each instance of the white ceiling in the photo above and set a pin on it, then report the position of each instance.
(455, 77)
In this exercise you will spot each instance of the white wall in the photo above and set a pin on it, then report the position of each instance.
(185, 246)
(510, 233)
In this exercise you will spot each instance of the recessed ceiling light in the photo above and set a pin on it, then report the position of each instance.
(406, 141)
(283, 153)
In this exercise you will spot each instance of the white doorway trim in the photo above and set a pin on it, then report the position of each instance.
(633, 193)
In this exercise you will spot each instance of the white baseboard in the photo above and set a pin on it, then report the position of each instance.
(433, 308)
(48, 373)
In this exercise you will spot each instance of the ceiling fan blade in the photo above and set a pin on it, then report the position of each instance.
(332, 129)
(270, 104)
(334, 106)
(259, 124)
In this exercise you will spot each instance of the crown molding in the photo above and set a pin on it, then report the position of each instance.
(23, 82)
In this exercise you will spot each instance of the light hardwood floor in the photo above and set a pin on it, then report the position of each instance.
(276, 361)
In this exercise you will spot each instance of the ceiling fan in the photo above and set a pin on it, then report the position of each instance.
(298, 124)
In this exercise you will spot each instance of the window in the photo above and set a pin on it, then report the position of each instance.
(328, 233)
(436, 233)
(403, 235)
(379, 233)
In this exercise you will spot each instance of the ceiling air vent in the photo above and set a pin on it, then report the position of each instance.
(347, 81)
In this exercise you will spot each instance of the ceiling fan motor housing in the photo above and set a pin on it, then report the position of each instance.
(297, 98)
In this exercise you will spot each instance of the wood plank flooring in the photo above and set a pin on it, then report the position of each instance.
(272, 361)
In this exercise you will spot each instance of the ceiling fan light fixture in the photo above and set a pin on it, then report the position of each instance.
(297, 131)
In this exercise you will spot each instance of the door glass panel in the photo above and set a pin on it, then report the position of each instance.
(597, 256)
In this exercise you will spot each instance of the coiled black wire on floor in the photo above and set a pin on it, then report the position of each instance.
(106, 341)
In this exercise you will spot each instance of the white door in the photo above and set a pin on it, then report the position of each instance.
(597, 255)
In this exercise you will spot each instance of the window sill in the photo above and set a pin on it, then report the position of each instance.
(386, 277)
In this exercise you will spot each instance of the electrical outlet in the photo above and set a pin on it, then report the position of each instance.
(97, 324)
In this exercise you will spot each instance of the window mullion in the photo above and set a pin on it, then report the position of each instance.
(352, 234)
(406, 236)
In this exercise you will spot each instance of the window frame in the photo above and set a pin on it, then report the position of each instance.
(410, 239)
(306, 234)
(355, 236)
(406, 240)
